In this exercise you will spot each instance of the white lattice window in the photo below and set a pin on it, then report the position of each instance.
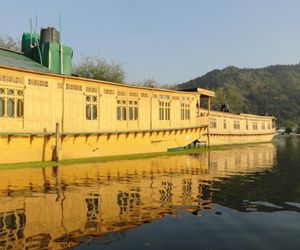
(91, 107)
(11, 103)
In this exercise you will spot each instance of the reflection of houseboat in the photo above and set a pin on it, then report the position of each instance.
(38, 97)
(37, 205)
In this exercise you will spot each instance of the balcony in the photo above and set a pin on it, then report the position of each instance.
(202, 120)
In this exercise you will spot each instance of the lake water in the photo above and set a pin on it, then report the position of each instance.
(246, 197)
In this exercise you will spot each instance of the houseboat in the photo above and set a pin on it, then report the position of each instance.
(47, 114)
(228, 128)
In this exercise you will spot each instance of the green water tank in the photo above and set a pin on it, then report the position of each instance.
(28, 42)
(57, 58)
(47, 50)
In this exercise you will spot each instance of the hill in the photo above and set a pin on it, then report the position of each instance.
(273, 90)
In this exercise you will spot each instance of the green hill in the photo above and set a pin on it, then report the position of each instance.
(273, 90)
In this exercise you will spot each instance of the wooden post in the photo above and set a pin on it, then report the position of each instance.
(57, 142)
(208, 133)
(150, 99)
(199, 105)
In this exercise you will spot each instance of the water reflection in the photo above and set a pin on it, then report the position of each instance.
(56, 207)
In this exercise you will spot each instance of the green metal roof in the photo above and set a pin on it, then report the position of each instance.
(18, 60)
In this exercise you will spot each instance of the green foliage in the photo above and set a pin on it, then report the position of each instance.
(8, 42)
(272, 90)
(99, 69)
(231, 96)
(171, 86)
(288, 130)
(150, 83)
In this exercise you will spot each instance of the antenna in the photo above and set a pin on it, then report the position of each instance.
(60, 26)
(30, 23)
(61, 47)
(36, 41)
(35, 27)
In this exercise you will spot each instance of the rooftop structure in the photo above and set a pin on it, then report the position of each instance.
(19, 60)
(48, 50)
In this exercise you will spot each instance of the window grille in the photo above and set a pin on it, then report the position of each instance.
(109, 91)
(255, 125)
(213, 123)
(11, 103)
(121, 110)
(133, 110)
(73, 87)
(236, 124)
(91, 107)
(14, 79)
(37, 83)
(185, 111)
(127, 110)
(164, 110)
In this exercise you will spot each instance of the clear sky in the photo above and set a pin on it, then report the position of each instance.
(168, 40)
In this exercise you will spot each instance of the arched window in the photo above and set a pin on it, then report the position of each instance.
(121, 110)
(20, 108)
(88, 112)
(10, 107)
(2, 106)
(133, 110)
(91, 106)
(11, 103)
(10, 91)
(94, 115)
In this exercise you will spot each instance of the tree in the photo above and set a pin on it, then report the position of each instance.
(150, 83)
(232, 97)
(172, 86)
(8, 42)
(99, 69)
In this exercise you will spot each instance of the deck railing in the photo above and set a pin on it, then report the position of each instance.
(202, 120)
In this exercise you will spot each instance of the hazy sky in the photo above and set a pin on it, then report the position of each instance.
(168, 40)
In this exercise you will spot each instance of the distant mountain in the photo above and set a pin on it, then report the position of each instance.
(273, 90)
